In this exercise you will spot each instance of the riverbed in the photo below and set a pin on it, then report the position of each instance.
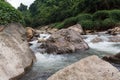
(48, 64)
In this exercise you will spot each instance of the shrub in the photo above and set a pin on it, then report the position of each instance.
(8, 14)
(66, 23)
(86, 16)
(97, 24)
(101, 15)
(115, 14)
(108, 23)
(87, 24)
(70, 21)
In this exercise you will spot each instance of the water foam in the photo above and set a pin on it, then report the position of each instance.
(104, 45)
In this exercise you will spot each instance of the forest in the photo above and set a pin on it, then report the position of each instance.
(91, 14)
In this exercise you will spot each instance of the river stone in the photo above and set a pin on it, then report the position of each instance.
(96, 40)
(113, 58)
(65, 41)
(15, 55)
(77, 28)
(114, 38)
(90, 68)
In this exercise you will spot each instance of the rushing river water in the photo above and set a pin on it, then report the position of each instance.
(48, 64)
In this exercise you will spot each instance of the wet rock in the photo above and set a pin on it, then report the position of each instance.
(96, 40)
(114, 31)
(113, 59)
(114, 39)
(90, 68)
(41, 40)
(65, 41)
(15, 55)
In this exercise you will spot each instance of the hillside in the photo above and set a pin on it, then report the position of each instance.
(91, 14)
(9, 14)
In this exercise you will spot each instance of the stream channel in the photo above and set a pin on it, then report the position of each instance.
(48, 64)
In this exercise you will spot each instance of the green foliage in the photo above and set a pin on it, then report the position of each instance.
(100, 20)
(101, 15)
(22, 7)
(66, 23)
(85, 16)
(8, 14)
(45, 12)
(115, 15)
(87, 24)
(107, 23)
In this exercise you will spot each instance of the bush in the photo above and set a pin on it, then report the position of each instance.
(8, 14)
(66, 23)
(97, 24)
(86, 16)
(115, 14)
(108, 23)
(87, 24)
(101, 15)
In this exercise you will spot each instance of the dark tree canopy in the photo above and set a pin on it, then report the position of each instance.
(22, 7)
(63, 13)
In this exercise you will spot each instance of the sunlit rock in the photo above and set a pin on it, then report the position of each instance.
(30, 32)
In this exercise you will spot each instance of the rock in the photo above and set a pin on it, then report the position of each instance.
(1, 28)
(51, 31)
(65, 41)
(114, 39)
(77, 28)
(15, 55)
(30, 32)
(113, 59)
(40, 40)
(96, 40)
(89, 32)
(114, 31)
(90, 68)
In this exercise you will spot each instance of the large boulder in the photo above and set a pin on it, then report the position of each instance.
(113, 58)
(90, 68)
(65, 41)
(15, 55)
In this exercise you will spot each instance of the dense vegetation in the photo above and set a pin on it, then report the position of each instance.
(8, 14)
(91, 14)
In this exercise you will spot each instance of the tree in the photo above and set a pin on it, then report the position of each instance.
(22, 7)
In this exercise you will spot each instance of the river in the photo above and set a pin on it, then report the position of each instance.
(48, 64)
